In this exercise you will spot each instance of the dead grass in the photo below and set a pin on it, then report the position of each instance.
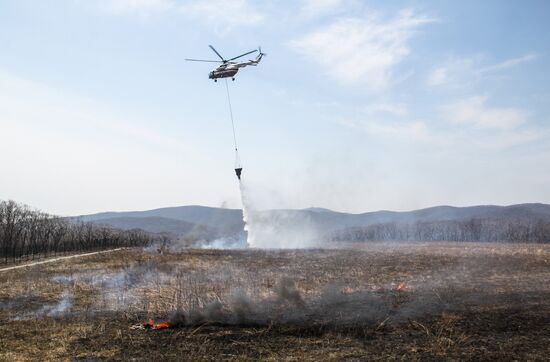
(464, 301)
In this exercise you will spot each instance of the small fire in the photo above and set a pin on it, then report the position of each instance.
(163, 325)
(150, 324)
(402, 286)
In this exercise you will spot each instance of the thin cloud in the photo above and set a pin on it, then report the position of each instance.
(508, 63)
(469, 123)
(460, 71)
(473, 111)
(454, 71)
(395, 109)
(221, 15)
(313, 8)
(356, 49)
(141, 6)
(410, 132)
(451, 138)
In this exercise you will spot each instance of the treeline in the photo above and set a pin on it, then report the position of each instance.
(29, 233)
(519, 230)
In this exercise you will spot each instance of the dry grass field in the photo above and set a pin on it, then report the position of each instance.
(416, 301)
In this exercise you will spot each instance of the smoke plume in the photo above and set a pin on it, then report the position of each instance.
(276, 229)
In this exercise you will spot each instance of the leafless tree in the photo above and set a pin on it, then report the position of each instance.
(475, 229)
(29, 233)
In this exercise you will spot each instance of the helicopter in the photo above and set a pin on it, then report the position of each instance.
(229, 68)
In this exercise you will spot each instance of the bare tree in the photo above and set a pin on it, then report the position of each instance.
(25, 232)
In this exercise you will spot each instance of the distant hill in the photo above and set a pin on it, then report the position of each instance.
(218, 221)
(330, 220)
(176, 220)
(152, 224)
(210, 216)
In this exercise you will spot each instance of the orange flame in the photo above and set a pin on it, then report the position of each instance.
(151, 325)
(163, 325)
(402, 286)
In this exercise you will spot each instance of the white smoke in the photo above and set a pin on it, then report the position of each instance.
(225, 243)
(59, 308)
(246, 210)
(56, 309)
(276, 229)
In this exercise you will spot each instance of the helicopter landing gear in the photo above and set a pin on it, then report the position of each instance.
(233, 79)
(215, 80)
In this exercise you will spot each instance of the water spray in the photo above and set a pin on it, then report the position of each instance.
(238, 168)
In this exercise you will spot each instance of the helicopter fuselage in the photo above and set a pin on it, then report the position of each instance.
(224, 71)
(229, 68)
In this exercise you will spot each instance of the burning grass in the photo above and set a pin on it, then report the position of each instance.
(373, 301)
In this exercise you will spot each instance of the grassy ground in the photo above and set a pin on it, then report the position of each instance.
(456, 301)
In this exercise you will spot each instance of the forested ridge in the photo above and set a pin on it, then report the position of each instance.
(27, 233)
(474, 229)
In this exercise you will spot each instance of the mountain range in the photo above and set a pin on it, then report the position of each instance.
(214, 222)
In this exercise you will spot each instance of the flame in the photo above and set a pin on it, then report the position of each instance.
(402, 286)
(150, 324)
(163, 325)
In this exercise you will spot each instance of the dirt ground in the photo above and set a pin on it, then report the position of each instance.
(375, 301)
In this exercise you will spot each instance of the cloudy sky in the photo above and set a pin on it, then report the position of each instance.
(359, 105)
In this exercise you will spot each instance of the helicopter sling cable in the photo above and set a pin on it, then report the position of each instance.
(238, 166)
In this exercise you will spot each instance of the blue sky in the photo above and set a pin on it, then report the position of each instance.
(359, 105)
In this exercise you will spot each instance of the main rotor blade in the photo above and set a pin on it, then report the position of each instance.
(215, 51)
(202, 60)
(242, 55)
